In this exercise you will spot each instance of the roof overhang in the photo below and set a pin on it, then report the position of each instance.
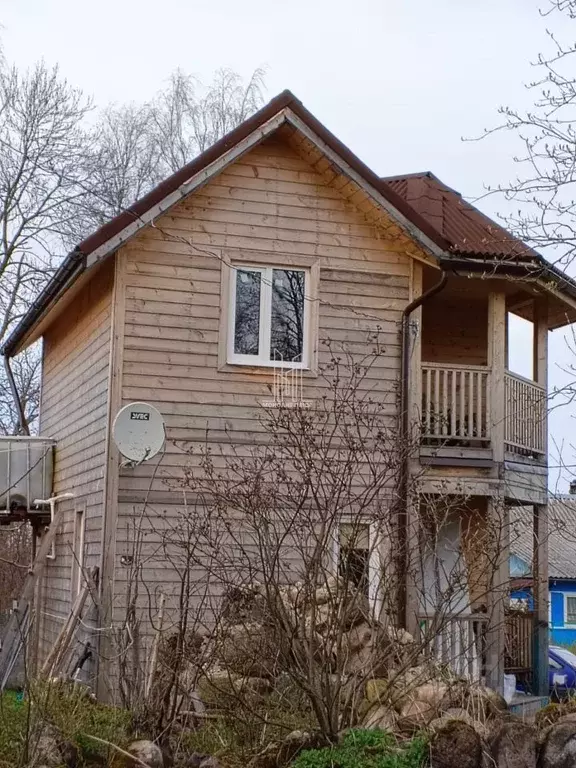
(539, 276)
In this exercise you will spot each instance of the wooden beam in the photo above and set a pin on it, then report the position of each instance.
(540, 595)
(497, 363)
(498, 562)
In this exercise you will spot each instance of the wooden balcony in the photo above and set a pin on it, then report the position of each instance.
(457, 410)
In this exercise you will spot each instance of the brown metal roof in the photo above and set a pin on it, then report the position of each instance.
(469, 232)
(561, 536)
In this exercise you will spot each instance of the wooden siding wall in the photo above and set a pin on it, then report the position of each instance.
(270, 206)
(74, 411)
(454, 330)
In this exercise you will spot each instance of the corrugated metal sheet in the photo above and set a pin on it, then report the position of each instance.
(561, 536)
(467, 229)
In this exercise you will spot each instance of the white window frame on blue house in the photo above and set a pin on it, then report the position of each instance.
(568, 623)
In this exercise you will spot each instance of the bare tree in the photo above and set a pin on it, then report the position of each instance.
(136, 146)
(542, 194)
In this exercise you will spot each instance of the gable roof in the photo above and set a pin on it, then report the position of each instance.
(283, 108)
(429, 211)
(561, 536)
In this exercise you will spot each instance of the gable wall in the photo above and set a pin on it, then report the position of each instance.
(74, 411)
(271, 207)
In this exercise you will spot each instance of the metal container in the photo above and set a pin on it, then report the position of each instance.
(26, 471)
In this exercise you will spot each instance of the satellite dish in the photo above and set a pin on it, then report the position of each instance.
(138, 431)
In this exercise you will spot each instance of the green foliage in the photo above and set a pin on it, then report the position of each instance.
(242, 724)
(66, 708)
(13, 718)
(367, 749)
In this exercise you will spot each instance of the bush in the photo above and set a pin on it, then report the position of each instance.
(367, 749)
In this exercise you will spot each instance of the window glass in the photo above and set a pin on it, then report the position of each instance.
(354, 562)
(247, 318)
(571, 610)
(287, 319)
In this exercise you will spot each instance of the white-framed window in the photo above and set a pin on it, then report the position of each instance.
(569, 609)
(269, 316)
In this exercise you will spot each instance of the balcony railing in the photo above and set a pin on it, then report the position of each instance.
(456, 409)
(456, 403)
(458, 642)
(525, 429)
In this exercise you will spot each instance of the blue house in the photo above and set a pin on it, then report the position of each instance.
(562, 566)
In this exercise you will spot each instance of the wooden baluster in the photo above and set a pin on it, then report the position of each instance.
(453, 405)
(444, 402)
(470, 404)
(437, 430)
(427, 374)
(479, 427)
(462, 404)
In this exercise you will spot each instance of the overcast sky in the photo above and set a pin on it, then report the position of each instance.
(399, 81)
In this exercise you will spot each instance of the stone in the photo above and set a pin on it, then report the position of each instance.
(147, 752)
(376, 689)
(452, 714)
(47, 750)
(399, 636)
(358, 637)
(455, 745)
(210, 762)
(327, 592)
(514, 745)
(416, 714)
(380, 716)
(433, 693)
(51, 749)
(559, 747)
(196, 759)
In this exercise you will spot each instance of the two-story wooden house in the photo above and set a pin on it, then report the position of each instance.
(186, 323)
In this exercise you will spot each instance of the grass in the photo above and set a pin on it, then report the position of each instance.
(13, 719)
(367, 749)
(69, 710)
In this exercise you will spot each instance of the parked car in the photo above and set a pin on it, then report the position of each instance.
(561, 671)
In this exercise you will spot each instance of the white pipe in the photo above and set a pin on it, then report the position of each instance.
(52, 502)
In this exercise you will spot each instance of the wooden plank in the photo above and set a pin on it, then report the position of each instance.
(497, 346)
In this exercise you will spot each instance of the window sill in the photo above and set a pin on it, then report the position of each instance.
(264, 370)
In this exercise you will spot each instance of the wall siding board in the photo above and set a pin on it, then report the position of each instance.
(73, 411)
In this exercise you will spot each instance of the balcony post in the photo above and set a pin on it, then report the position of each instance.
(414, 405)
(540, 595)
(540, 320)
(498, 590)
(497, 364)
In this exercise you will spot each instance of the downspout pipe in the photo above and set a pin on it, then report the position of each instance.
(402, 516)
(23, 427)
